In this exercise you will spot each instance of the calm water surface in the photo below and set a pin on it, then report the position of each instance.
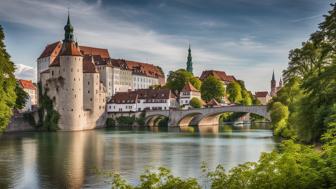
(67, 159)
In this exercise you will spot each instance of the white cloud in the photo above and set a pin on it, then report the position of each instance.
(96, 27)
(25, 72)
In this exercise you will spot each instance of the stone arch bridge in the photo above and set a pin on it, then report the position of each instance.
(201, 116)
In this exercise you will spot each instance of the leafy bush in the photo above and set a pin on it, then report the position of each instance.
(195, 102)
(110, 122)
(125, 120)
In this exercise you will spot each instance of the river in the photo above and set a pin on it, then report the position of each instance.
(68, 159)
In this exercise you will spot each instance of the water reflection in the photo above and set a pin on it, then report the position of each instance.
(66, 159)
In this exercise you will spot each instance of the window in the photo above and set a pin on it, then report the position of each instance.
(88, 91)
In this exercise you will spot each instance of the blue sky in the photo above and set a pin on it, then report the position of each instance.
(245, 38)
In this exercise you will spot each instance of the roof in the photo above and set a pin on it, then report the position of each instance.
(56, 62)
(88, 65)
(27, 84)
(70, 49)
(213, 102)
(103, 53)
(189, 87)
(261, 94)
(218, 74)
(149, 70)
(51, 49)
(145, 94)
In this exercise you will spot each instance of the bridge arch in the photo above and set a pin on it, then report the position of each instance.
(187, 119)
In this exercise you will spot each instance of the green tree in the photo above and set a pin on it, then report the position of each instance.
(7, 84)
(22, 97)
(195, 102)
(178, 79)
(196, 82)
(234, 91)
(212, 88)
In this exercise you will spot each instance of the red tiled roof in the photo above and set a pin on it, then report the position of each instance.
(146, 94)
(56, 62)
(88, 65)
(261, 94)
(27, 84)
(218, 74)
(70, 49)
(103, 53)
(149, 70)
(213, 102)
(189, 87)
(51, 49)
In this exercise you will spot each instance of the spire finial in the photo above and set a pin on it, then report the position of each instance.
(68, 35)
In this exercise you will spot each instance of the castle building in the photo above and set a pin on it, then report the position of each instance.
(117, 75)
(71, 80)
(274, 88)
(189, 61)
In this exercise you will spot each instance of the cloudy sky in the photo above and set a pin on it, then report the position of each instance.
(246, 38)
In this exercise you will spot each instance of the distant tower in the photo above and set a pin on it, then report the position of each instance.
(273, 85)
(280, 83)
(189, 61)
(71, 93)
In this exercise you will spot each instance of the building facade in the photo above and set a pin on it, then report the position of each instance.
(263, 96)
(142, 99)
(188, 92)
(73, 83)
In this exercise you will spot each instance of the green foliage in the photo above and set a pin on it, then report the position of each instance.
(178, 79)
(291, 166)
(141, 119)
(7, 84)
(195, 102)
(126, 120)
(21, 98)
(279, 116)
(234, 91)
(212, 88)
(110, 122)
(48, 116)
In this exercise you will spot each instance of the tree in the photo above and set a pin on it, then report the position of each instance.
(196, 82)
(178, 79)
(234, 92)
(195, 102)
(7, 84)
(22, 97)
(212, 88)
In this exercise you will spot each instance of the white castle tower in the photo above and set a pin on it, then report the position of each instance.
(73, 83)
(71, 69)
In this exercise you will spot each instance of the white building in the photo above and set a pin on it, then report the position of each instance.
(142, 99)
(188, 92)
(30, 89)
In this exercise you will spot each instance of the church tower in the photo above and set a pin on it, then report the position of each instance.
(273, 85)
(71, 91)
(189, 61)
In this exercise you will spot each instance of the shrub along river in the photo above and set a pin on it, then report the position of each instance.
(68, 159)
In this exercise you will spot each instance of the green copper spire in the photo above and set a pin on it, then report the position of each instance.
(68, 35)
(189, 61)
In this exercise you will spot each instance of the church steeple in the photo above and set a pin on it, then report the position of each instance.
(68, 35)
(273, 85)
(189, 61)
(273, 77)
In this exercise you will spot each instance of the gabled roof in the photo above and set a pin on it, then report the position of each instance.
(51, 49)
(213, 102)
(146, 69)
(27, 84)
(221, 75)
(103, 53)
(261, 94)
(70, 49)
(189, 87)
(88, 65)
(56, 62)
